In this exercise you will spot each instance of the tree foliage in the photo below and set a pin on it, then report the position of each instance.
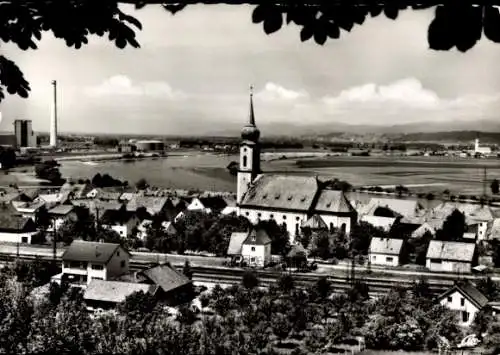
(453, 228)
(455, 25)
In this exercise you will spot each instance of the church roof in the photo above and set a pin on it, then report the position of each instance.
(282, 191)
(333, 201)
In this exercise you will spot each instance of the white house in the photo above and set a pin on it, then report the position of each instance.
(443, 256)
(16, 229)
(29, 209)
(254, 247)
(142, 229)
(84, 261)
(385, 251)
(207, 204)
(61, 214)
(122, 222)
(464, 299)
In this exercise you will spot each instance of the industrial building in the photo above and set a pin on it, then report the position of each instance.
(23, 131)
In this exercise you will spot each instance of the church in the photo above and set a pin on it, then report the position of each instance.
(289, 200)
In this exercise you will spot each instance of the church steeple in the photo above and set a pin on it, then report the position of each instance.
(250, 132)
(252, 114)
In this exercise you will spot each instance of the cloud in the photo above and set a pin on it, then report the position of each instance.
(274, 92)
(121, 85)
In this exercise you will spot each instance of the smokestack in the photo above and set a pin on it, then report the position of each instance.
(53, 118)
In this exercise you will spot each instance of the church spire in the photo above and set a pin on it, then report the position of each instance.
(252, 114)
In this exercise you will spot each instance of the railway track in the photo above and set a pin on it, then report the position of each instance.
(228, 275)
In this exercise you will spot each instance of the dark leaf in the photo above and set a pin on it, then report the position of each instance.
(140, 4)
(260, 13)
(375, 10)
(440, 33)
(345, 24)
(273, 22)
(391, 11)
(306, 33)
(320, 35)
(131, 20)
(174, 8)
(120, 42)
(359, 15)
(333, 30)
(469, 27)
(492, 24)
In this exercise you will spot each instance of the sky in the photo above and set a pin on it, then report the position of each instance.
(193, 71)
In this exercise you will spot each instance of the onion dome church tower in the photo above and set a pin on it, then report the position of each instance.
(249, 167)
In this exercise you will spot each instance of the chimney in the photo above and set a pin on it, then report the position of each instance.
(53, 117)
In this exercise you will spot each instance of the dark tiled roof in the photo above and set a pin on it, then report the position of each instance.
(14, 222)
(94, 252)
(61, 210)
(469, 291)
(114, 291)
(153, 204)
(282, 191)
(257, 237)
(166, 277)
(117, 216)
(333, 201)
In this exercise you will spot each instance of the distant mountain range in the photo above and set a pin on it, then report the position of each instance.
(448, 130)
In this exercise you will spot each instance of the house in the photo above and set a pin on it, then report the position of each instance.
(207, 204)
(482, 217)
(385, 251)
(431, 226)
(61, 214)
(174, 287)
(122, 221)
(75, 191)
(464, 299)
(84, 261)
(101, 294)
(97, 207)
(53, 199)
(142, 229)
(444, 256)
(253, 246)
(16, 229)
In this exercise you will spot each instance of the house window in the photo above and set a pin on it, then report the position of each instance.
(449, 299)
(253, 248)
(389, 259)
(118, 253)
(465, 316)
(66, 264)
(24, 239)
(436, 261)
(252, 260)
(462, 302)
(374, 257)
(122, 263)
(343, 227)
(244, 161)
(97, 267)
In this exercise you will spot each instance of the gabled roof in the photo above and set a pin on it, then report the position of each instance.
(30, 206)
(453, 251)
(98, 205)
(15, 223)
(166, 277)
(315, 222)
(77, 190)
(466, 289)
(153, 205)
(107, 194)
(93, 252)
(405, 208)
(282, 191)
(257, 237)
(445, 209)
(333, 201)
(388, 246)
(117, 216)
(61, 210)
(484, 214)
(236, 242)
(115, 291)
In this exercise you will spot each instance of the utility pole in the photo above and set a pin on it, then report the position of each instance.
(484, 182)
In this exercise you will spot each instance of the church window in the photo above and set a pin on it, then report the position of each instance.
(271, 216)
(343, 227)
(284, 216)
(244, 150)
(259, 214)
(331, 226)
(244, 161)
(284, 225)
(297, 218)
(247, 213)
